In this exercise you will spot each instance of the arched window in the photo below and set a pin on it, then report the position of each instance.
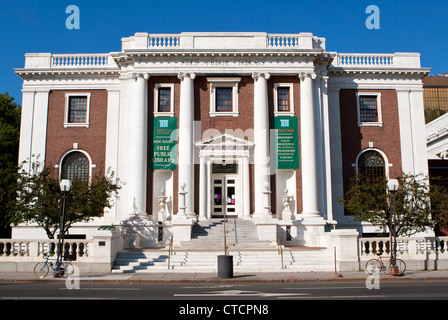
(75, 165)
(371, 164)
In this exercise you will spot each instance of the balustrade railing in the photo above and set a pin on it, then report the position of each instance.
(364, 60)
(30, 249)
(411, 247)
(79, 60)
(163, 41)
(283, 41)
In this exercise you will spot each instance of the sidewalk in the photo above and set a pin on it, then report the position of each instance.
(293, 277)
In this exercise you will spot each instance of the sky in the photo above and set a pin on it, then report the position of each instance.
(40, 26)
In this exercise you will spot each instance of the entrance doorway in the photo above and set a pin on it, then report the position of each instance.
(225, 193)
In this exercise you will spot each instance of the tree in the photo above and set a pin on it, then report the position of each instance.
(39, 196)
(9, 149)
(9, 129)
(369, 201)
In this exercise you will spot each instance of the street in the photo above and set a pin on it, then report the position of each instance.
(394, 290)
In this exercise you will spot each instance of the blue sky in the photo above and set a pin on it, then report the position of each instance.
(39, 26)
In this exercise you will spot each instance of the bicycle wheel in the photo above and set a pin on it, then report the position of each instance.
(68, 269)
(41, 270)
(373, 266)
(401, 266)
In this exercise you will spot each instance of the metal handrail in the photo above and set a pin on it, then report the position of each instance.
(170, 251)
(280, 250)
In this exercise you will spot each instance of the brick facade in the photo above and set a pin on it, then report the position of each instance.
(355, 139)
(91, 140)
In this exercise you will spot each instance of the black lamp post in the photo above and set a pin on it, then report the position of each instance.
(65, 185)
(392, 186)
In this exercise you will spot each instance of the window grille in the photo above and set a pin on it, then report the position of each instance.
(223, 99)
(75, 165)
(368, 109)
(164, 100)
(77, 109)
(371, 164)
(283, 99)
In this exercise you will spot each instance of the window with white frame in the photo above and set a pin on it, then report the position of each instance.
(75, 165)
(77, 109)
(283, 99)
(224, 96)
(164, 100)
(369, 108)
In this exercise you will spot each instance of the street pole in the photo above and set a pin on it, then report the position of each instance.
(392, 186)
(65, 188)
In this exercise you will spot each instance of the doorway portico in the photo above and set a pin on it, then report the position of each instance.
(224, 176)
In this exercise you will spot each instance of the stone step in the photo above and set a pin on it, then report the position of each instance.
(206, 261)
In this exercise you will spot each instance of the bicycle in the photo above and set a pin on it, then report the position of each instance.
(41, 269)
(376, 266)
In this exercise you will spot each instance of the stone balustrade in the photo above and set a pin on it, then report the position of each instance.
(91, 255)
(283, 41)
(35, 250)
(377, 60)
(79, 60)
(163, 41)
(419, 253)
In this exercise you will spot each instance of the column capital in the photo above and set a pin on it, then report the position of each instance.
(303, 75)
(256, 75)
(145, 76)
(182, 75)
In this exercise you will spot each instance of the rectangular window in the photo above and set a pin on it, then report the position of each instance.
(164, 100)
(283, 99)
(77, 109)
(368, 108)
(223, 99)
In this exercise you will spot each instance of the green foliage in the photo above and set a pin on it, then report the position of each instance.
(39, 198)
(370, 201)
(9, 129)
(9, 149)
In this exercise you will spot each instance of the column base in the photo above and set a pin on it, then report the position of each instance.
(182, 226)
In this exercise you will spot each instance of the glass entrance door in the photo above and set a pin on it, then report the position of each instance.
(224, 195)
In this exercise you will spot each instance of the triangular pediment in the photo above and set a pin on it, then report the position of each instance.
(225, 141)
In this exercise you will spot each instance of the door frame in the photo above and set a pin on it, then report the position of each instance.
(225, 178)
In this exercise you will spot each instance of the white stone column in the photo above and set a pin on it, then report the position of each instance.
(186, 143)
(261, 139)
(308, 141)
(246, 188)
(203, 194)
(137, 145)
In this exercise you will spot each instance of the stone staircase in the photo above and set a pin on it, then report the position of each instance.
(207, 242)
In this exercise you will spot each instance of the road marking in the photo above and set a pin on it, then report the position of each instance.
(108, 289)
(336, 297)
(57, 298)
(238, 293)
(324, 288)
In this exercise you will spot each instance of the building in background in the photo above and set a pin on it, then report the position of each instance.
(225, 123)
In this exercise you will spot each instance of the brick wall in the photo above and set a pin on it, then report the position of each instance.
(241, 123)
(91, 140)
(354, 138)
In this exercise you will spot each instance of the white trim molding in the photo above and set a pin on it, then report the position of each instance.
(378, 123)
(291, 100)
(156, 100)
(68, 95)
(224, 83)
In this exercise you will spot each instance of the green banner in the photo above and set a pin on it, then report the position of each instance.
(164, 143)
(287, 142)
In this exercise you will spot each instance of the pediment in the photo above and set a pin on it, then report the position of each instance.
(224, 141)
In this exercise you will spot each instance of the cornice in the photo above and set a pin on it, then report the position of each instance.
(379, 71)
(27, 74)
